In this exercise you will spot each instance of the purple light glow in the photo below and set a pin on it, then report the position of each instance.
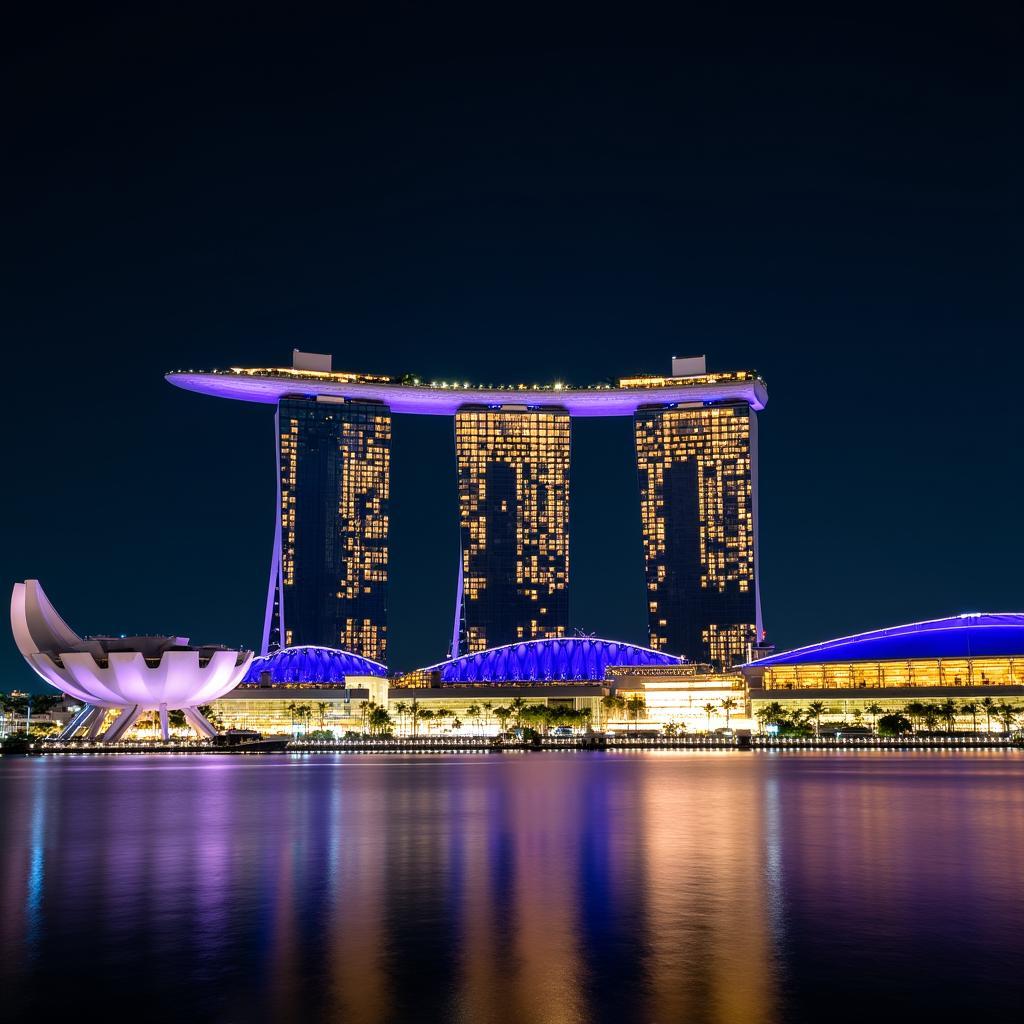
(995, 635)
(565, 658)
(311, 665)
(435, 401)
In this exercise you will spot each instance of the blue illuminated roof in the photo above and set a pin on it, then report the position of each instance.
(311, 665)
(977, 635)
(532, 661)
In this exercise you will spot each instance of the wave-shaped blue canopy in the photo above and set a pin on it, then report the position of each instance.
(977, 635)
(311, 665)
(532, 661)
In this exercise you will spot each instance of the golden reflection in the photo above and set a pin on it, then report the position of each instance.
(704, 864)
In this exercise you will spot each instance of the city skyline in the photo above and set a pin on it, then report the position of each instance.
(582, 220)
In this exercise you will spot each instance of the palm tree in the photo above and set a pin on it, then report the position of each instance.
(988, 705)
(1006, 713)
(637, 707)
(709, 710)
(473, 713)
(401, 709)
(503, 715)
(612, 702)
(874, 709)
(728, 705)
(518, 704)
(440, 714)
(321, 708)
(427, 716)
(970, 708)
(488, 708)
(915, 710)
(816, 707)
(379, 720)
(415, 714)
(930, 717)
(771, 714)
(293, 712)
(947, 712)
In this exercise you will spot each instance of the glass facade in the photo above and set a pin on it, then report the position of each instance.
(332, 568)
(513, 470)
(697, 469)
(888, 674)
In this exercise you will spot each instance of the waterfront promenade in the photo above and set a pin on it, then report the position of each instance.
(483, 744)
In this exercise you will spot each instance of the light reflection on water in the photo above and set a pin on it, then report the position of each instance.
(562, 887)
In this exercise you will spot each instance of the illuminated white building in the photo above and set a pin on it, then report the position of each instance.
(129, 675)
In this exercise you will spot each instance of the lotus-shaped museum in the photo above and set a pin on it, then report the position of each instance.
(132, 674)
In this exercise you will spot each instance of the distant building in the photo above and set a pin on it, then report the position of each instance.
(513, 469)
(698, 495)
(330, 567)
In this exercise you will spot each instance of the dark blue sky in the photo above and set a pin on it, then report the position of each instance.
(832, 199)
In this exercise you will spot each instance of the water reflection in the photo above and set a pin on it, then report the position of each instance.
(550, 888)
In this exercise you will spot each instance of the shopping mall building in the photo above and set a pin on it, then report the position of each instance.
(305, 690)
(975, 661)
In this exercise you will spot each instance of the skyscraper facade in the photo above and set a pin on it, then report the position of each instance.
(330, 571)
(696, 450)
(513, 470)
(698, 494)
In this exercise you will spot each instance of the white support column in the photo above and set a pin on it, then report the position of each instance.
(195, 718)
(164, 731)
(97, 723)
(122, 724)
(78, 721)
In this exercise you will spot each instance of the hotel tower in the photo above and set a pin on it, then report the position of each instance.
(698, 502)
(513, 470)
(330, 568)
(696, 453)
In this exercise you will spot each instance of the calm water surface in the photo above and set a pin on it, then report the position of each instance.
(561, 887)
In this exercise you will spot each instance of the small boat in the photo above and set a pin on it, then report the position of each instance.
(248, 741)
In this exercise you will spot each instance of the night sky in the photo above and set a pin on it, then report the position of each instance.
(830, 198)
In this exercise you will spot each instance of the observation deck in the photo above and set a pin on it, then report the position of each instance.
(408, 394)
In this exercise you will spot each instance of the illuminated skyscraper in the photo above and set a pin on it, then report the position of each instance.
(698, 492)
(513, 466)
(330, 568)
(696, 453)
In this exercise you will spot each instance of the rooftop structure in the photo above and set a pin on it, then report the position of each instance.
(129, 674)
(974, 635)
(303, 665)
(408, 394)
(957, 666)
(577, 659)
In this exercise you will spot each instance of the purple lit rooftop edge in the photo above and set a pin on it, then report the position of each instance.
(976, 635)
(551, 660)
(446, 401)
(308, 664)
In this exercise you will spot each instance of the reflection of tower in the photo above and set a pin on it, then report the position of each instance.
(330, 567)
(513, 467)
(698, 491)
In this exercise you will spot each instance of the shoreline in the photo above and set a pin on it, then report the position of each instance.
(477, 745)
